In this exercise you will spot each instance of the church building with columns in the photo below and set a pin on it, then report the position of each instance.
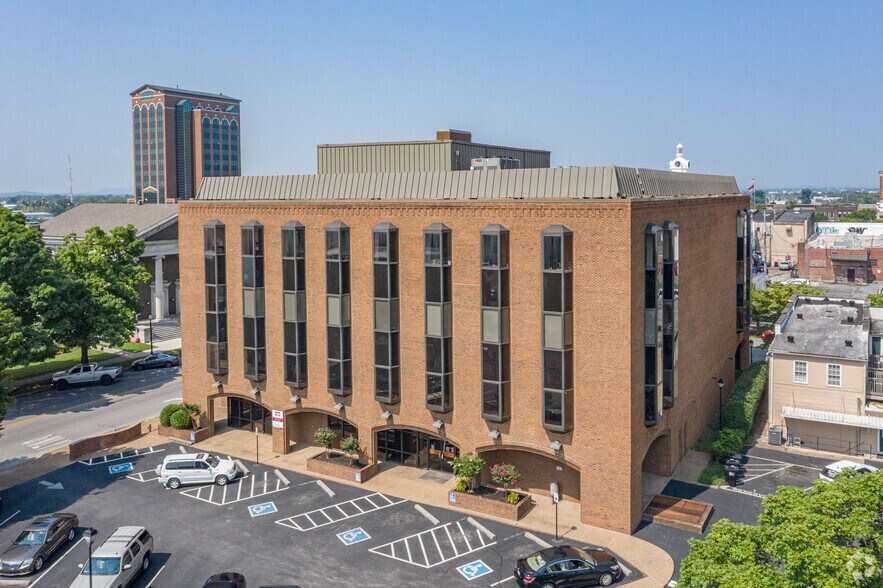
(156, 224)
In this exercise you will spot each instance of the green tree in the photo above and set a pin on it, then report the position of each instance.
(791, 204)
(325, 436)
(806, 196)
(767, 304)
(875, 299)
(866, 215)
(820, 217)
(93, 296)
(831, 535)
(468, 466)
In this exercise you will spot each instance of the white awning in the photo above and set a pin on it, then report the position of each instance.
(837, 418)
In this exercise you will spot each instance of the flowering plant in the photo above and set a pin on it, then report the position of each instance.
(505, 475)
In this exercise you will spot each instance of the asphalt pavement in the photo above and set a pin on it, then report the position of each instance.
(44, 421)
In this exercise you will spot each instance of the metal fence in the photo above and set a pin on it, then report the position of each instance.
(830, 445)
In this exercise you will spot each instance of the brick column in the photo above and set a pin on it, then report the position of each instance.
(280, 440)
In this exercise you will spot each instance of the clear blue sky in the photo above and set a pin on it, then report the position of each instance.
(789, 92)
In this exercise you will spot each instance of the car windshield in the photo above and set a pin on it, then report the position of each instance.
(535, 561)
(31, 538)
(583, 554)
(213, 460)
(103, 566)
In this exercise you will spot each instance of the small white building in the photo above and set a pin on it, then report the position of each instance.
(679, 164)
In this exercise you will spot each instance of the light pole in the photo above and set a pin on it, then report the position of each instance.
(150, 323)
(90, 535)
(720, 404)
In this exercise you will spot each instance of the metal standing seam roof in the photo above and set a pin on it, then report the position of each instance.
(559, 182)
(838, 418)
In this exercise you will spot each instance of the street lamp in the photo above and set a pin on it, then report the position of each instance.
(90, 535)
(150, 323)
(720, 404)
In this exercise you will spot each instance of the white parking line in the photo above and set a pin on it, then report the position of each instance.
(56, 562)
(152, 580)
(145, 476)
(337, 512)
(800, 465)
(503, 580)
(253, 489)
(119, 456)
(443, 547)
(10, 518)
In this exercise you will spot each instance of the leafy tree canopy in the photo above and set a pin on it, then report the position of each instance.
(767, 305)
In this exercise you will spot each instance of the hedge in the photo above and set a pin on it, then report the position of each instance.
(739, 411)
(181, 419)
(166, 413)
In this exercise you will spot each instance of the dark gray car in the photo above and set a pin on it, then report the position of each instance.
(156, 360)
(37, 542)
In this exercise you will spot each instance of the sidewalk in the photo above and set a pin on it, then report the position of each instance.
(411, 484)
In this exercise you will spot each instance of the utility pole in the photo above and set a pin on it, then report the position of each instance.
(70, 182)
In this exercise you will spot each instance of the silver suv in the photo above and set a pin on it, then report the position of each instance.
(195, 468)
(118, 560)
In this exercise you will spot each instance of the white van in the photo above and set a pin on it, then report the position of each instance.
(195, 468)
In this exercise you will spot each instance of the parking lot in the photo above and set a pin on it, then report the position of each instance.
(275, 527)
(766, 470)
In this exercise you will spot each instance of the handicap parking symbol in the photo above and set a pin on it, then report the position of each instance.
(474, 570)
(356, 535)
(120, 468)
(257, 510)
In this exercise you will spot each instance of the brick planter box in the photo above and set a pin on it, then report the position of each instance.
(490, 506)
(341, 471)
(184, 434)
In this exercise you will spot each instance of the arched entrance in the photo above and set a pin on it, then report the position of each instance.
(246, 414)
(415, 448)
(537, 471)
(305, 423)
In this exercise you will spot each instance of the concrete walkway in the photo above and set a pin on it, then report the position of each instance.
(411, 484)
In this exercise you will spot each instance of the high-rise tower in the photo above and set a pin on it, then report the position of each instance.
(169, 158)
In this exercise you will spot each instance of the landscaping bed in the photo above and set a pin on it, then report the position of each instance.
(340, 465)
(60, 362)
(491, 501)
(199, 435)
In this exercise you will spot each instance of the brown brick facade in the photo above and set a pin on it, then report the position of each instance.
(604, 455)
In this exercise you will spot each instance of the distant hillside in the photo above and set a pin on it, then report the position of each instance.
(100, 192)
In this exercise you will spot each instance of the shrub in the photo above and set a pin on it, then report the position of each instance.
(350, 446)
(505, 475)
(730, 441)
(325, 436)
(513, 497)
(469, 466)
(181, 419)
(166, 413)
(461, 485)
(193, 409)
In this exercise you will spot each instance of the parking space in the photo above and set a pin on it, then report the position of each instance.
(277, 529)
(765, 470)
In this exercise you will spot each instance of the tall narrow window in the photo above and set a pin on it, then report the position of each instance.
(216, 147)
(337, 288)
(743, 271)
(653, 323)
(215, 243)
(669, 314)
(558, 328)
(495, 387)
(183, 162)
(294, 304)
(386, 313)
(253, 315)
(439, 341)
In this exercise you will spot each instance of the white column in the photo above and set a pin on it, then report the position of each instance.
(158, 290)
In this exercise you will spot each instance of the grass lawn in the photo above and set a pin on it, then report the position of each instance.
(62, 361)
(133, 347)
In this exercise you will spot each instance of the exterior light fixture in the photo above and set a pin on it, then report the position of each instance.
(437, 424)
(386, 415)
(555, 446)
(217, 384)
(338, 406)
(295, 398)
(495, 434)
(254, 391)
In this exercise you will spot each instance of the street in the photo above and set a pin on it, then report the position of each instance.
(44, 421)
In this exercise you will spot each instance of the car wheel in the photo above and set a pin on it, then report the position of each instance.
(605, 579)
(106, 380)
(174, 483)
(550, 585)
(146, 563)
(38, 564)
(71, 534)
(61, 384)
(138, 367)
(168, 364)
(221, 480)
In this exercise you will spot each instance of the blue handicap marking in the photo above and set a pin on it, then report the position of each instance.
(474, 570)
(120, 467)
(353, 536)
(257, 510)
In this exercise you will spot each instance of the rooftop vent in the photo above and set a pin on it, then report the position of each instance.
(848, 343)
(850, 319)
(800, 315)
(852, 302)
(790, 338)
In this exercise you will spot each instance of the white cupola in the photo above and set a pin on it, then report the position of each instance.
(679, 164)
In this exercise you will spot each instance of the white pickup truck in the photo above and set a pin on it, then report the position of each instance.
(87, 374)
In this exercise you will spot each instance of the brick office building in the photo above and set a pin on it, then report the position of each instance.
(571, 321)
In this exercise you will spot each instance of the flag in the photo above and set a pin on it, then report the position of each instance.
(751, 187)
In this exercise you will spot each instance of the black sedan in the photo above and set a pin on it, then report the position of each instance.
(566, 565)
(225, 580)
(156, 360)
(33, 546)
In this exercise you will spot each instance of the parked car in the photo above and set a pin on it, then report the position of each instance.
(87, 374)
(117, 561)
(225, 580)
(156, 360)
(33, 546)
(566, 565)
(196, 468)
(831, 470)
(785, 265)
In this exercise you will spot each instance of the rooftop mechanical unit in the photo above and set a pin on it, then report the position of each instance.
(504, 162)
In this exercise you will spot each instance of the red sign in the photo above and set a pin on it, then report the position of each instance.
(277, 419)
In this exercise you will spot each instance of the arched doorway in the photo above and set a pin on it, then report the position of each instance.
(305, 423)
(415, 448)
(246, 414)
(537, 471)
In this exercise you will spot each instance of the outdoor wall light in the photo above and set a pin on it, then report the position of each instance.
(438, 424)
(555, 446)
(295, 398)
(386, 415)
(495, 434)
(254, 391)
(338, 406)
(217, 384)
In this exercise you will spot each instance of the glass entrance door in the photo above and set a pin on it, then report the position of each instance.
(415, 449)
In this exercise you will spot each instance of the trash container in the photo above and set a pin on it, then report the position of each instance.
(774, 436)
(732, 475)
